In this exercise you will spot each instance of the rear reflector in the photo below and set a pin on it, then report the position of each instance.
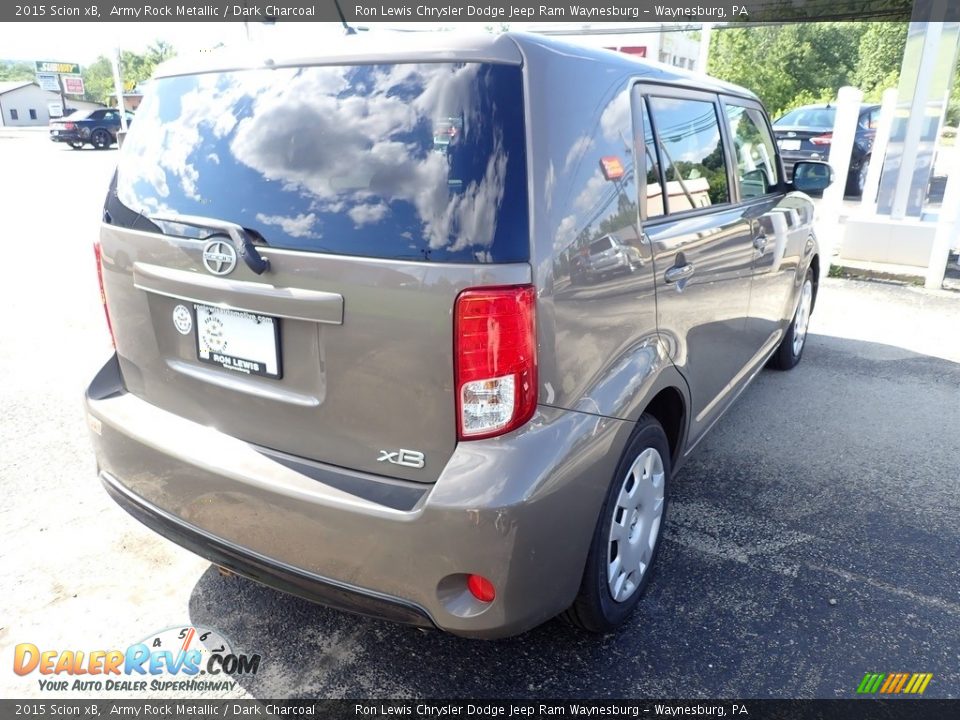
(103, 296)
(481, 588)
(495, 351)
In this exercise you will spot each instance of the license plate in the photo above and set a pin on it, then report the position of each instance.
(789, 144)
(238, 341)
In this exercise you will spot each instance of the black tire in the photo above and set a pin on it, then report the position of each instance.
(101, 139)
(787, 355)
(595, 608)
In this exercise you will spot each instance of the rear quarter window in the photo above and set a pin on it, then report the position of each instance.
(406, 161)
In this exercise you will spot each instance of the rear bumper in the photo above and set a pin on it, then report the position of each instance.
(67, 137)
(519, 510)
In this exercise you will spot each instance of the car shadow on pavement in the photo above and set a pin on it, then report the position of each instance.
(769, 582)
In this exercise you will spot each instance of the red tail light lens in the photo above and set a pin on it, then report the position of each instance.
(495, 351)
(103, 296)
(69, 126)
(481, 588)
(824, 139)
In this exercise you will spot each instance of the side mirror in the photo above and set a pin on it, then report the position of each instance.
(810, 176)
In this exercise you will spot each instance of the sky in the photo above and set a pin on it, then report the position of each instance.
(84, 42)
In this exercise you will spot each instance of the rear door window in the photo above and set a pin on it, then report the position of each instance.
(755, 154)
(407, 161)
(691, 150)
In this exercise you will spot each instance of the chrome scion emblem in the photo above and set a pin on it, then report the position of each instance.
(219, 257)
(407, 458)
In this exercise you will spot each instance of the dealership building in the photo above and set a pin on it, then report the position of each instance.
(23, 103)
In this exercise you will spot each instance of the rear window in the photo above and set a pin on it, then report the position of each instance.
(599, 246)
(406, 161)
(809, 117)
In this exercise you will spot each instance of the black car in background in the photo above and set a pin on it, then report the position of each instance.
(96, 127)
(805, 133)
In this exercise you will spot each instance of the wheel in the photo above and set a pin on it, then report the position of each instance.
(101, 139)
(76, 145)
(627, 537)
(791, 347)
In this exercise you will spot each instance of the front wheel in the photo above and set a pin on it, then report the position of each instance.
(791, 347)
(626, 540)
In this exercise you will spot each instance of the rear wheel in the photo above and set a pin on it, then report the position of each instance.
(627, 537)
(101, 139)
(791, 347)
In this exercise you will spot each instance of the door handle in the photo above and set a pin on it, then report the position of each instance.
(678, 273)
(760, 242)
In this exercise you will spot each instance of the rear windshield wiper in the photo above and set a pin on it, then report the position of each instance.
(239, 236)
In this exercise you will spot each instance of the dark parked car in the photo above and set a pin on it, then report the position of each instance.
(348, 363)
(95, 127)
(807, 132)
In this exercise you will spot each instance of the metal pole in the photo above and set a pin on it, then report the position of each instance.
(841, 147)
(888, 107)
(118, 89)
(705, 31)
(946, 224)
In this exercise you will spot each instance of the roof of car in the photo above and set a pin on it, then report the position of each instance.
(391, 47)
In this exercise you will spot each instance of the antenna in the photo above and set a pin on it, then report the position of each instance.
(346, 26)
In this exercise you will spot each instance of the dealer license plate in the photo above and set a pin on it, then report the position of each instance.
(238, 341)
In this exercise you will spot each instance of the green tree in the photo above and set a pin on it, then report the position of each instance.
(788, 64)
(880, 55)
(11, 70)
(135, 68)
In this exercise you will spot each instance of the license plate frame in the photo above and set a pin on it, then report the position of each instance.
(255, 341)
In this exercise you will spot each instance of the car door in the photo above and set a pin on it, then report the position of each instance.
(778, 223)
(701, 245)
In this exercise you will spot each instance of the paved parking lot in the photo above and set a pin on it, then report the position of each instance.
(813, 537)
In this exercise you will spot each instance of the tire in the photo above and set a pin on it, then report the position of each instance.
(788, 354)
(609, 593)
(101, 139)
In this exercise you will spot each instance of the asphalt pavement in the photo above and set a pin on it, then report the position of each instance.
(812, 537)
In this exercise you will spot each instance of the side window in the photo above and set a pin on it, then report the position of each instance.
(97, 115)
(691, 151)
(655, 200)
(872, 119)
(756, 159)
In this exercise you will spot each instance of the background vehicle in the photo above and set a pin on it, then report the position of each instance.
(95, 127)
(806, 133)
(348, 363)
(607, 255)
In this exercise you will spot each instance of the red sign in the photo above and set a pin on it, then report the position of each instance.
(72, 84)
(611, 167)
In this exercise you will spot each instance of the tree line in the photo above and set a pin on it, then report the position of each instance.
(796, 64)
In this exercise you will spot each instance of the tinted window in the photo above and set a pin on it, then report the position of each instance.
(691, 152)
(756, 158)
(809, 117)
(655, 203)
(395, 161)
(601, 245)
(97, 115)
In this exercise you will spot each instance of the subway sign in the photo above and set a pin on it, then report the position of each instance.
(46, 66)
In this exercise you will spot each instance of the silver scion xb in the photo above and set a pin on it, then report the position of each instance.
(352, 361)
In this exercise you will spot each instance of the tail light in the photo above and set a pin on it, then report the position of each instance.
(495, 351)
(103, 296)
(69, 126)
(824, 139)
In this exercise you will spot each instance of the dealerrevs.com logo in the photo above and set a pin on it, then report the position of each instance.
(188, 659)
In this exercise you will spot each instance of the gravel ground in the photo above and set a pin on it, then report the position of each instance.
(813, 536)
